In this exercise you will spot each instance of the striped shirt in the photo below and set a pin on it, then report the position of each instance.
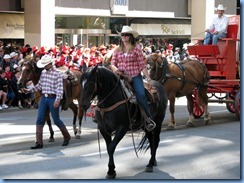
(51, 82)
(131, 63)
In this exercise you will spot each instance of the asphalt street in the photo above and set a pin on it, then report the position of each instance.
(200, 153)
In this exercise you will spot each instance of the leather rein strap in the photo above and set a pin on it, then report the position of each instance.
(103, 110)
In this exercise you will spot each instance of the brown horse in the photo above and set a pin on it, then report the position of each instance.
(31, 72)
(181, 80)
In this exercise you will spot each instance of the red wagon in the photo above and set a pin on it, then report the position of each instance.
(222, 61)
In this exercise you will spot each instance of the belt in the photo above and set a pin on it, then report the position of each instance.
(49, 95)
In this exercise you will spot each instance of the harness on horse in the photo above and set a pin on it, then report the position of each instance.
(183, 79)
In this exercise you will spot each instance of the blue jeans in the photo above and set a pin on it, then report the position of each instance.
(141, 94)
(46, 104)
(214, 37)
(11, 95)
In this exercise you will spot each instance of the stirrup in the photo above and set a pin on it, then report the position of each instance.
(150, 124)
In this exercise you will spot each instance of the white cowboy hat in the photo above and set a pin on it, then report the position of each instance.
(6, 56)
(13, 54)
(220, 7)
(128, 29)
(45, 60)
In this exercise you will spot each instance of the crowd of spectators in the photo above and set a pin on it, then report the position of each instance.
(76, 57)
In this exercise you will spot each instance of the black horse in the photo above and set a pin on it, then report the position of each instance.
(114, 112)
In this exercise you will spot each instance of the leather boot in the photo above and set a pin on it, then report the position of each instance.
(66, 135)
(39, 141)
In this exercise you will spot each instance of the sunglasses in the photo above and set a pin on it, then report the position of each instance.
(125, 34)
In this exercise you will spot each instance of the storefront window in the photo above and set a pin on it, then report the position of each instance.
(82, 22)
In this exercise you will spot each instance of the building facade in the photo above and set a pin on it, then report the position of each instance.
(92, 23)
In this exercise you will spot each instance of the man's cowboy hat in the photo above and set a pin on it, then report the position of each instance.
(45, 60)
(6, 56)
(128, 29)
(220, 7)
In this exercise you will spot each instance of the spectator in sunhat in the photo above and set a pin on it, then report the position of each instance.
(177, 53)
(75, 64)
(218, 28)
(3, 90)
(6, 61)
(170, 54)
(84, 63)
(99, 57)
(14, 59)
(86, 53)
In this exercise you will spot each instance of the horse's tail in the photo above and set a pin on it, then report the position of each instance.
(206, 75)
(144, 144)
(202, 89)
(158, 117)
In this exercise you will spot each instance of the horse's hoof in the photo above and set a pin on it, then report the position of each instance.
(190, 124)
(170, 128)
(111, 176)
(51, 140)
(149, 169)
(155, 163)
(77, 137)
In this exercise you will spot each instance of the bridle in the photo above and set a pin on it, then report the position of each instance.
(29, 70)
(107, 109)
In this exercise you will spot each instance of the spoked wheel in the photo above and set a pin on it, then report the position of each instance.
(238, 104)
(198, 110)
(231, 107)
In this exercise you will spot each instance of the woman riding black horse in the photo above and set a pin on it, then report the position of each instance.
(114, 112)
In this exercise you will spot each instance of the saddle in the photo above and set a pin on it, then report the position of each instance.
(72, 77)
(151, 91)
(137, 115)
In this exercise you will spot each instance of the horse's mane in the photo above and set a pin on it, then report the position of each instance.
(107, 77)
(104, 76)
(161, 67)
(165, 67)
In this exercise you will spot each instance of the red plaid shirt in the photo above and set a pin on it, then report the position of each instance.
(132, 63)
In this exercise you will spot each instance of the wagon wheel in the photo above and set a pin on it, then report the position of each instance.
(198, 110)
(238, 104)
(230, 106)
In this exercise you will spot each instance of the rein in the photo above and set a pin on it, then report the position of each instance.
(103, 110)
